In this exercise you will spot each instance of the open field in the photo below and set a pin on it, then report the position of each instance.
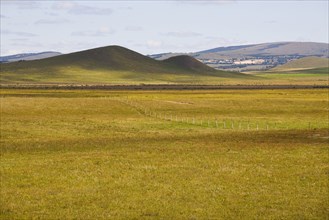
(81, 154)
(83, 77)
(316, 76)
(304, 63)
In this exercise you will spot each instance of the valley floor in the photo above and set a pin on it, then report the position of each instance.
(216, 154)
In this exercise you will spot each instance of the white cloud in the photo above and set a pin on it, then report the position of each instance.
(51, 14)
(199, 44)
(27, 44)
(82, 9)
(101, 32)
(213, 42)
(154, 43)
(19, 39)
(206, 2)
(23, 46)
(18, 33)
(303, 39)
(8, 52)
(183, 34)
(79, 9)
(133, 28)
(48, 21)
(126, 8)
(271, 22)
(71, 46)
(106, 30)
(22, 4)
(65, 5)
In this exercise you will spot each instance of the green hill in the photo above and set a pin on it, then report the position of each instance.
(112, 64)
(304, 63)
(185, 62)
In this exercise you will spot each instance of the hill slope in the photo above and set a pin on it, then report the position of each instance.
(304, 63)
(112, 64)
(185, 62)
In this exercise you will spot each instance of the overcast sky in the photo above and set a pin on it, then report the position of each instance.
(157, 26)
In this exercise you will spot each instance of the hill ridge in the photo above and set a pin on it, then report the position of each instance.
(111, 64)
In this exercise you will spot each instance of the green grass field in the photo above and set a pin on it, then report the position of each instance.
(316, 76)
(98, 155)
(304, 64)
(75, 75)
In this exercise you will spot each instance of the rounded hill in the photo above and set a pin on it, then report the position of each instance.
(111, 64)
(188, 63)
(108, 58)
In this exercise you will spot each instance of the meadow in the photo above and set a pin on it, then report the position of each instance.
(316, 76)
(80, 154)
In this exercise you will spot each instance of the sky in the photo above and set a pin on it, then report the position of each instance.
(151, 27)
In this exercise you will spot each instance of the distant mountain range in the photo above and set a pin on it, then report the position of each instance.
(28, 56)
(273, 49)
(255, 56)
(112, 64)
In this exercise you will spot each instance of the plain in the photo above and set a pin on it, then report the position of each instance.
(124, 155)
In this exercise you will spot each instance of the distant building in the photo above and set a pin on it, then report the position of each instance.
(254, 61)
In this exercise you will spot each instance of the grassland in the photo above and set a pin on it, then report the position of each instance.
(311, 70)
(304, 63)
(316, 76)
(76, 76)
(97, 155)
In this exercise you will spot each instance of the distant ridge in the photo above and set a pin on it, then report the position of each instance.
(274, 49)
(267, 55)
(28, 56)
(229, 48)
(109, 64)
(254, 50)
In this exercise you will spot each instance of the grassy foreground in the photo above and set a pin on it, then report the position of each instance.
(89, 155)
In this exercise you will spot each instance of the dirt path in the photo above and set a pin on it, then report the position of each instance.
(161, 87)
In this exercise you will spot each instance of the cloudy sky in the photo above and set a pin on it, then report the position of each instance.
(157, 26)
